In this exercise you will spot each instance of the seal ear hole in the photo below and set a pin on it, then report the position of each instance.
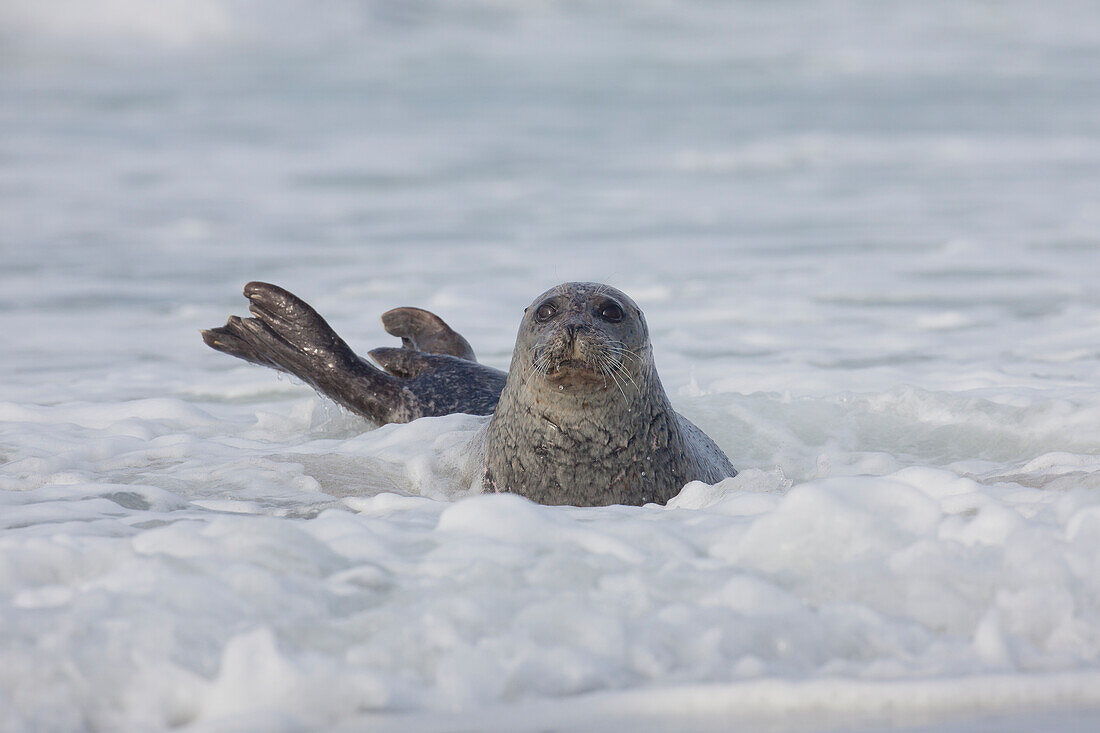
(545, 312)
(611, 312)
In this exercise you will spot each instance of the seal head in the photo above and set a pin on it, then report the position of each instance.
(581, 340)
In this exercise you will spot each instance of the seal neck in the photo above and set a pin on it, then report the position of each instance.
(576, 404)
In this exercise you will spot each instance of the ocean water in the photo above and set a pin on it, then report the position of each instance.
(866, 236)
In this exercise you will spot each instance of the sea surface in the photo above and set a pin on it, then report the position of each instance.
(866, 237)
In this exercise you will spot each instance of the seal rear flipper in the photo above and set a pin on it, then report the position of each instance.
(425, 331)
(287, 334)
(233, 340)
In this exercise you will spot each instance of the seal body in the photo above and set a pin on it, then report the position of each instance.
(580, 418)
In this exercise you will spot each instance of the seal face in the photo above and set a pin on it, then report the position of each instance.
(581, 339)
(581, 417)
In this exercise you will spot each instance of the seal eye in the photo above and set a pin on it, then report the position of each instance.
(611, 312)
(545, 312)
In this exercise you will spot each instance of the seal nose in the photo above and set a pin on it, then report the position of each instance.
(572, 343)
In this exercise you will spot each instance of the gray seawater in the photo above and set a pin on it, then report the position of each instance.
(866, 237)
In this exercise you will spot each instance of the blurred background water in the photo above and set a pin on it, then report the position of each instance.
(807, 198)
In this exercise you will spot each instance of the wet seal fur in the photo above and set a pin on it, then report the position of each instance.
(580, 418)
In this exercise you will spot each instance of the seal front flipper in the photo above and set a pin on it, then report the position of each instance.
(423, 330)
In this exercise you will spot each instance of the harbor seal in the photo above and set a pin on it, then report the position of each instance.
(580, 417)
